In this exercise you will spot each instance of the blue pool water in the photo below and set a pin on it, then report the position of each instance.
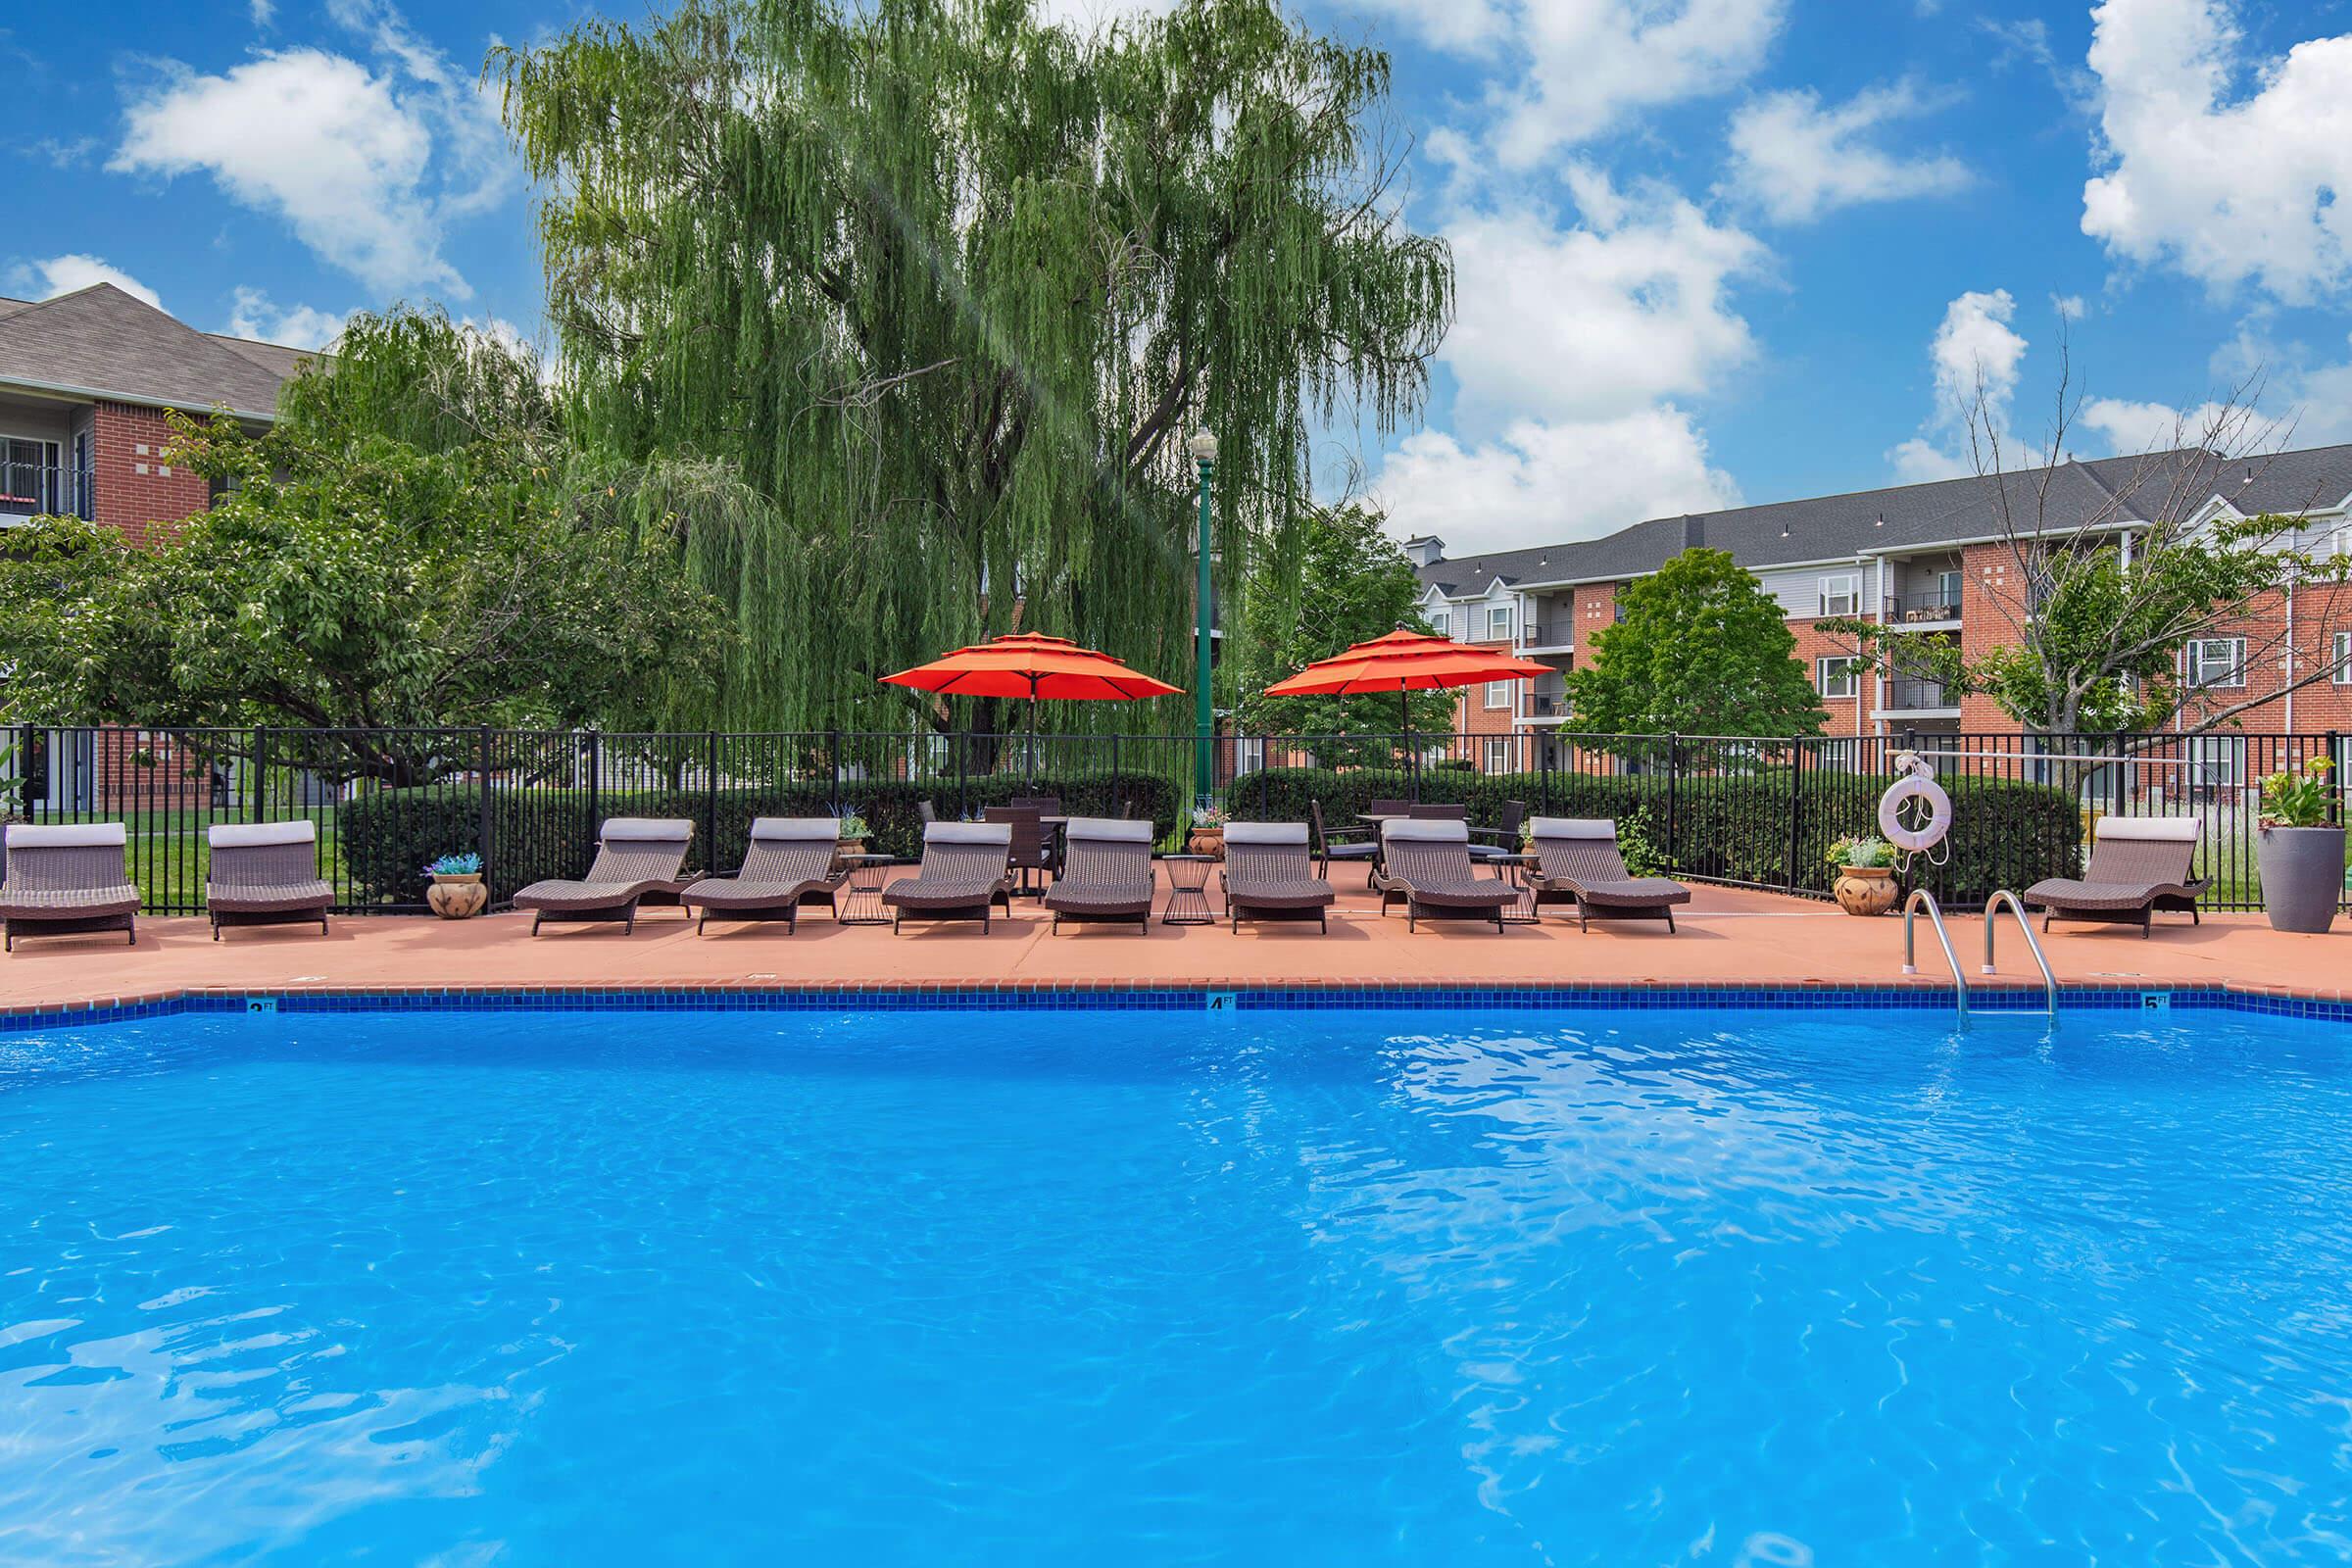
(1606, 1288)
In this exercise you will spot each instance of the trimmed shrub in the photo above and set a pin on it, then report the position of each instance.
(538, 833)
(1772, 827)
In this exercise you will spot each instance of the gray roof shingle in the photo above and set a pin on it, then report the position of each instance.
(1918, 516)
(104, 341)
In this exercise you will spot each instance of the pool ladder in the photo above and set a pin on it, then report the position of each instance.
(1922, 899)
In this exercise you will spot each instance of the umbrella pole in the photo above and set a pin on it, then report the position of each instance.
(1033, 734)
(1404, 718)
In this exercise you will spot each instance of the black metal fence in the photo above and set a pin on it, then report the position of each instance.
(1744, 812)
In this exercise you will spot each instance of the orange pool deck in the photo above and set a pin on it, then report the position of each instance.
(1728, 937)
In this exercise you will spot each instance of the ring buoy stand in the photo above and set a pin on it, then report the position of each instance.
(1918, 783)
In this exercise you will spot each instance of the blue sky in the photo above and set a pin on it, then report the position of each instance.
(1709, 250)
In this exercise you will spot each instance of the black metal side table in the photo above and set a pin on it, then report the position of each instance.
(862, 901)
(1188, 889)
(1513, 870)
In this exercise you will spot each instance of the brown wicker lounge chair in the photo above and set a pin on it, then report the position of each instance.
(634, 855)
(1578, 862)
(265, 873)
(66, 880)
(1107, 874)
(2138, 866)
(966, 870)
(1268, 876)
(1425, 866)
(791, 862)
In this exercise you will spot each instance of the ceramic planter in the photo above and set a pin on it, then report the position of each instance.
(1866, 889)
(457, 895)
(1207, 841)
(2302, 876)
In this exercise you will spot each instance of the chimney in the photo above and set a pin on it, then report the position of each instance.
(1694, 532)
(1425, 550)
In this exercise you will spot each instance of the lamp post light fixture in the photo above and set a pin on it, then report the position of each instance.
(1203, 448)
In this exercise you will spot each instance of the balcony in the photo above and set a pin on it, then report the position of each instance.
(43, 489)
(1937, 608)
(1547, 636)
(1544, 707)
(1919, 696)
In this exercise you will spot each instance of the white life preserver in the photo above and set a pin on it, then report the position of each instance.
(1915, 787)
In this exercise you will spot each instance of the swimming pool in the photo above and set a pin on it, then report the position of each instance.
(1337, 1287)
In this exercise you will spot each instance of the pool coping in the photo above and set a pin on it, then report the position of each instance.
(1994, 993)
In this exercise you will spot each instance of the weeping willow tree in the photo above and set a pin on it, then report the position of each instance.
(947, 288)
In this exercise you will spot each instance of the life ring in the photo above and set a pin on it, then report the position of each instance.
(1940, 813)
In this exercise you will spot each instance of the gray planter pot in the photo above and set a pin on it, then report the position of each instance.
(2302, 876)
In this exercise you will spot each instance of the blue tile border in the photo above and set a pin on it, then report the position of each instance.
(1188, 999)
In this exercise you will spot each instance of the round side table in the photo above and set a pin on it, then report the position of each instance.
(1188, 889)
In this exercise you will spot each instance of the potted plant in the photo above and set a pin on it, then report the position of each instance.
(2301, 853)
(1207, 836)
(1865, 882)
(855, 830)
(456, 892)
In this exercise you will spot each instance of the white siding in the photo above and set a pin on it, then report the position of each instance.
(1798, 588)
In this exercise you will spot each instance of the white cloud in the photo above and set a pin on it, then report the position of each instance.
(2131, 428)
(367, 164)
(1463, 26)
(1591, 64)
(296, 326)
(63, 275)
(1975, 357)
(2070, 306)
(1588, 323)
(2229, 190)
(264, 12)
(1089, 16)
(1798, 161)
(1542, 484)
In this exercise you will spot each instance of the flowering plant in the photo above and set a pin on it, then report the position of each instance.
(2299, 800)
(1210, 816)
(852, 822)
(466, 865)
(1861, 853)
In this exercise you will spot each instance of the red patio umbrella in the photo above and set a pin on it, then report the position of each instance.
(1404, 661)
(1026, 665)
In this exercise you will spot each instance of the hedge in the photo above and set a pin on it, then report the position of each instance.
(536, 833)
(1738, 828)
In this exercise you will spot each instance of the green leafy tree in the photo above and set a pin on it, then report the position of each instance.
(1335, 579)
(1699, 648)
(950, 286)
(365, 572)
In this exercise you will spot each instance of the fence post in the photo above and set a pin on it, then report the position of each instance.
(483, 829)
(2336, 792)
(1796, 812)
(710, 797)
(962, 764)
(1674, 789)
(833, 751)
(256, 807)
(596, 773)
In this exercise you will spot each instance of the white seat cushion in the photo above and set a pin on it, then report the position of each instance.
(968, 833)
(1265, 833)
(1108, 830)
(647, 829)
(1575, 827)
(795, 827)
(64, 835)
(1426, 830)
(254, 835)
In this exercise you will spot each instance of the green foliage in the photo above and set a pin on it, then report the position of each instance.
(1865, 852)
(947, 287)
(401, 550)
(1698, 648)
(1336, 580)
(1737, 826)
(388, 835)
(2299, 799)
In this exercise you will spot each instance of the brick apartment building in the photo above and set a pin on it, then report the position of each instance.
(1934, 560)
(86, 380)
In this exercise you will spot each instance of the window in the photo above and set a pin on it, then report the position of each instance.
(1497, 756)
(28, 476)
(1498, 623)
(1841, 594)
(2343, 659)
(2216, 662)
(1841, 677)
(2216, 762)
(1499, 693)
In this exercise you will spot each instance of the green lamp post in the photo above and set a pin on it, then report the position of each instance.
(1203, 448)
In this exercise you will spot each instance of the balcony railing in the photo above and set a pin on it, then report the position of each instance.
(1544, 705)
(1915, 609)
(1913, 695)
(44, 489)
(1559, 633)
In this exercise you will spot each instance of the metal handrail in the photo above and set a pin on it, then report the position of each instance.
(1911, 907)
(2017, 908)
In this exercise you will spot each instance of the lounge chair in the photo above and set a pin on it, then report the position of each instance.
(1106, 873)
(1268, 876)
(791, 862)
(266, 873)
(1348, 843)
(2138, 866)
(1578, 862)
(64, 880)
(966, 869)
(634, 855)
(1425, 866)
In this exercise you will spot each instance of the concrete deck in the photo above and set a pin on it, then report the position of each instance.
(1728, 937)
